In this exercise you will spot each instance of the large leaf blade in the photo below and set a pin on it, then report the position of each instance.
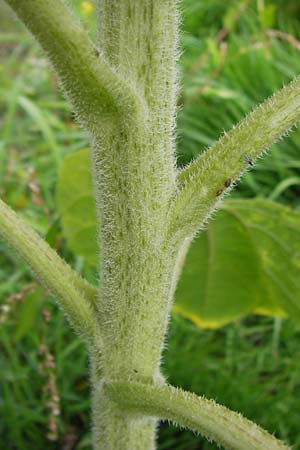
(252, 264)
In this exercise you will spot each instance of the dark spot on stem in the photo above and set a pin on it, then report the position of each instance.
(248, 160)
(227, 182)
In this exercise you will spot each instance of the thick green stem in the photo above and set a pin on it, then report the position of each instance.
(113, 427)
(134, 174)
(139, 39)
(225, 427)
(135, 179)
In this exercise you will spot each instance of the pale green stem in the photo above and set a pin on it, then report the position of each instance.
(93, 88)
(75, 296)
(125, 95)
(139, 39)
(114, 428)
(134, 175)
(203, 183)
(135, 179)
(215, 422)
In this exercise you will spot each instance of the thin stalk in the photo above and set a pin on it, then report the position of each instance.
(93, 88)
(215, 422)
(75, 295)
(203, 183)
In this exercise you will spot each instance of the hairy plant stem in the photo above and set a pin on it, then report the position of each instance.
(196, 413)
(114, 427)
(75, 296)
(135, 181)
(124, 94)
(92, 87)
(202, 184)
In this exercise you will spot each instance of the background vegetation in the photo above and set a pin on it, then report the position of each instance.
(234, 54)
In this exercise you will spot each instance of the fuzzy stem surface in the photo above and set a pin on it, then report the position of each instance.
(135, 182)
(115, 428)
(75, 295)
(203, 183)
(215, 422)
(93, 88)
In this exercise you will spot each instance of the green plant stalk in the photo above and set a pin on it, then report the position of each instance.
(115, 427)
(134, 188)
(75, 295)
(92, 87)
(193, 412)
(124, 95)
(134, 191)
(202, 184)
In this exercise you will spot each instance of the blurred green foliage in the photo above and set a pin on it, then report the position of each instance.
(76, 205)
(231, 59)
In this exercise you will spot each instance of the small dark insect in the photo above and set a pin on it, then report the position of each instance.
(227, 182)
(135, 370)
(219, 192)
(248, 160)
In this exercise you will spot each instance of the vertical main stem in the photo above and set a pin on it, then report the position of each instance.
(135, 181)
(114, 429)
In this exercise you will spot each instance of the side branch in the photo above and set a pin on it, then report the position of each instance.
(213, 421)
(92, 87)
(75, 296)
(203, 183)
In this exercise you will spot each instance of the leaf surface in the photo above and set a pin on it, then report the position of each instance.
(247, 260)
(76, 205)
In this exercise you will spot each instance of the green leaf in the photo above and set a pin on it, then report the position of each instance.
(248, 260)
(76, 205)
(53, 233)
(28, 313)
(38, 117)
(267, 16)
